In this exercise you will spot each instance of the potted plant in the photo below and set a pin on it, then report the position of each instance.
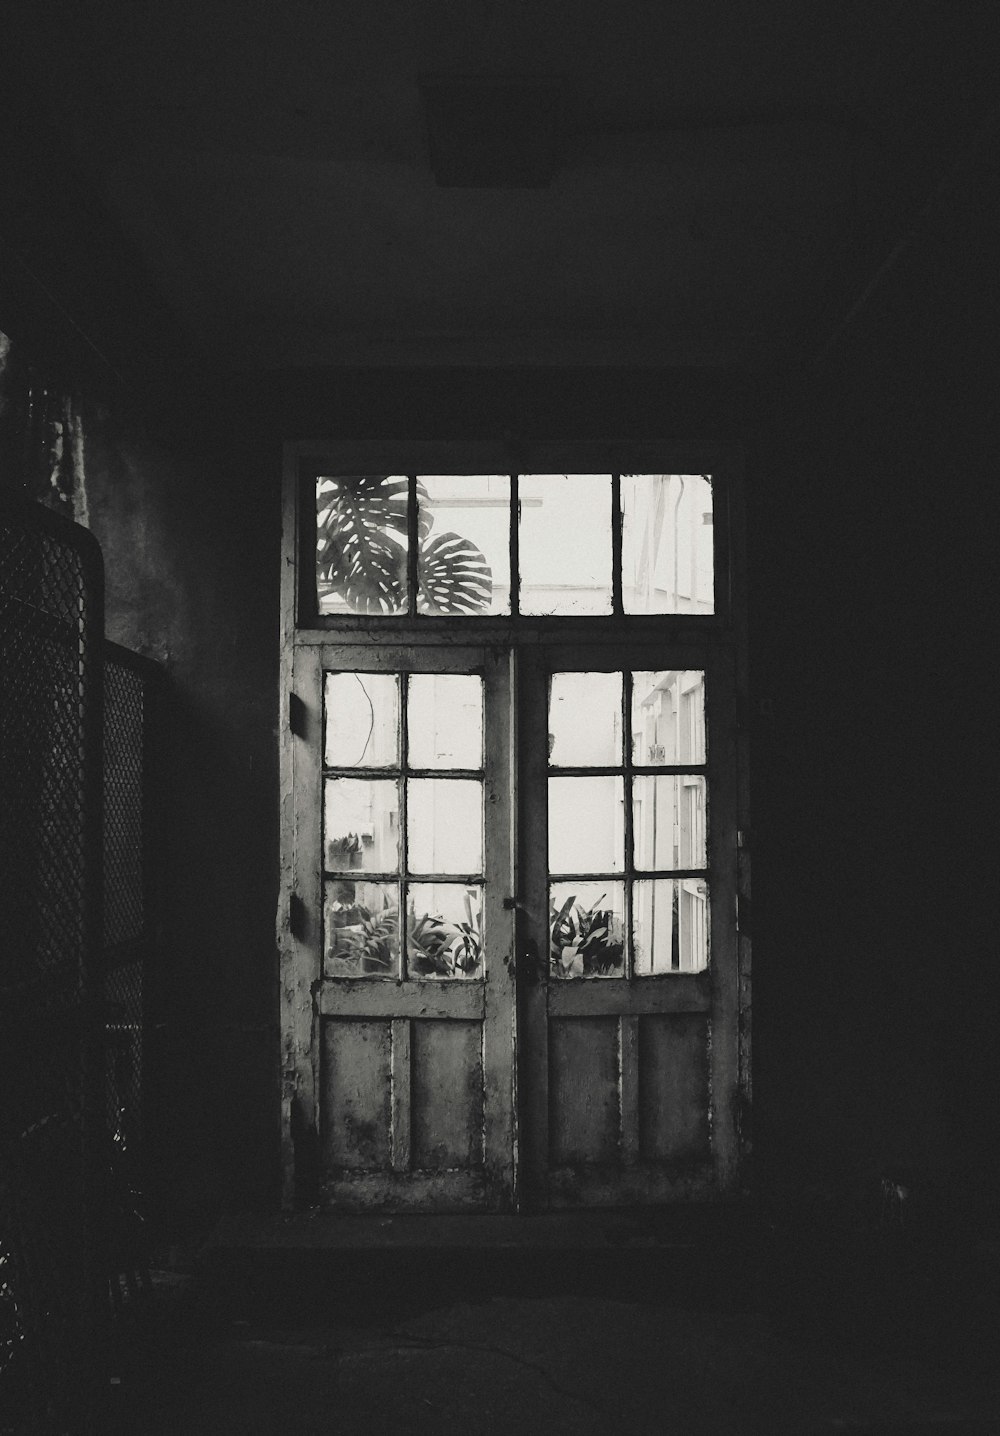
(362, 943)
(586, 941)
(438, 947)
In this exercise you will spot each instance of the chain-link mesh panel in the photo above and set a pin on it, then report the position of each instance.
(126, 945)
(123, 1057)
(124, 780)
(51, 620)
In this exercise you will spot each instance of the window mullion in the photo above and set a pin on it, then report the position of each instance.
(617, 602)
(515, 540)
(404, 824)
(412, 541)
(627, 785)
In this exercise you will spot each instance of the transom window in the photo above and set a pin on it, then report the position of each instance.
(469, 545)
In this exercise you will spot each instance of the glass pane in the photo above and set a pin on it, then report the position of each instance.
(586, 825)
(587, 929)
(668, 717)
(667, 555)
(360, 929)
(564, 542)
(444, 930)
(668, 821)
(361, 543)
(669, 925)
(445, 720)
(362, 720)
(445, 825)
(585, 720)
(361, 825)
(464, 560)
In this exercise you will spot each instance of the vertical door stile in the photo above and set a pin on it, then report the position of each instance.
(628, 1048)
(306, 903)
(498, 1021)
(723, 963)
(533, 922)
(400, 1079)
(511, 790)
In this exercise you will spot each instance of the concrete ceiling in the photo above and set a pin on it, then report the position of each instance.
(726, 174)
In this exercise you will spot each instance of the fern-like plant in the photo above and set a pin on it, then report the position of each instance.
(438, 947)
(586, 942)
(363, 943)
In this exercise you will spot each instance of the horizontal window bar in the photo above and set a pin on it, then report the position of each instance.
(624, 874)
(366, 773)
(357, 875)
(684, 873)
(692, 770)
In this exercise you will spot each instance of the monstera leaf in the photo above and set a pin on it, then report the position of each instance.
(453, 576)
(361, 535)
(361, 541)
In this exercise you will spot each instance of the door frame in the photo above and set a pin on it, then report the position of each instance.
(722, 635)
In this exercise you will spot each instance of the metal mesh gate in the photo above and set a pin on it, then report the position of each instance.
(51, 1122)
(77, 869)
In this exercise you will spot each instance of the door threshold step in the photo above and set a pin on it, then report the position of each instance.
(566, 1231)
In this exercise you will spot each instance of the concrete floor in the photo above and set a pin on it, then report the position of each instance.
(883, 1335)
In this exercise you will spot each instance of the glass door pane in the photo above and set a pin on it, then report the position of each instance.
(628, 844)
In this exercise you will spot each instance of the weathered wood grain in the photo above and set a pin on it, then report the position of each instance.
(446, 1102)
(673, 1086)
(357, 1111)
(584, 1103)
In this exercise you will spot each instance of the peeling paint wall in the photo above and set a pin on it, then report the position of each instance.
(872, 497)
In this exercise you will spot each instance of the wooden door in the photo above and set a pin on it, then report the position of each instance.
(629, 1037)
(402, 971)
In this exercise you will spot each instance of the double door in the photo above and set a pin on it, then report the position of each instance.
(510, 975)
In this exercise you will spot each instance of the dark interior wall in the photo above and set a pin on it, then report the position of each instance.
(95, 420)
(189, 539)
(870, 485)
(872, 521)
(192, 579)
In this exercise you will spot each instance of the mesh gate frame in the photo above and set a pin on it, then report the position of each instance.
(132, 715)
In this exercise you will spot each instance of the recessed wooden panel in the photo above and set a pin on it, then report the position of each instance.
(673, 1086)
(357, 1096)
(446, 1094)
(584, 1107)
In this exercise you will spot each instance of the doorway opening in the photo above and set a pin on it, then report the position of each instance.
(513, 787)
